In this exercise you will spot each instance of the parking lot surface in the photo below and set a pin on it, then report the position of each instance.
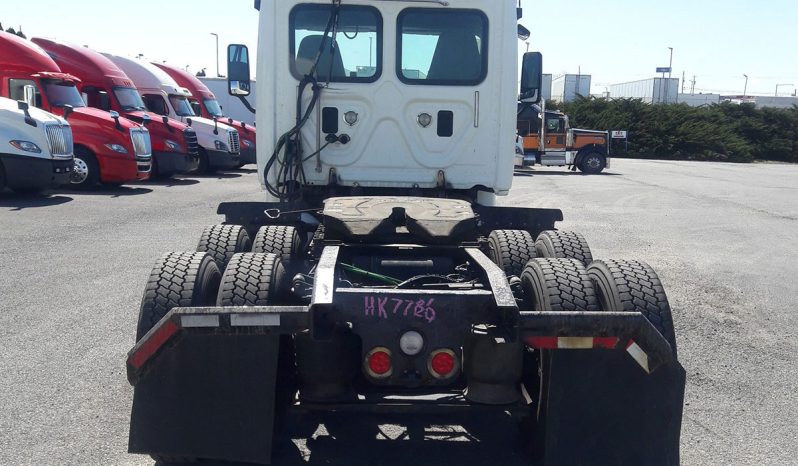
(722, 237)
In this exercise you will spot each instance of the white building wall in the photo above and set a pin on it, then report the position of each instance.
(568, 87)
(546, 91)
(697, 100)
(652, 91)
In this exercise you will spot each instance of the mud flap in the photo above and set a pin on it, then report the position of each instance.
(210, 396)
(601, 408)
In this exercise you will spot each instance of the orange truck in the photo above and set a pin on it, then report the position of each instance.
(555, 143)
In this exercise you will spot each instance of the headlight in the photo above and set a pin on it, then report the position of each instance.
(171, 145)
(26, 146)
(247, 143)
(117, 148)
(220, 145)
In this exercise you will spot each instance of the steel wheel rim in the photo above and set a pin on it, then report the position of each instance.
(80, 172)
(593, 162)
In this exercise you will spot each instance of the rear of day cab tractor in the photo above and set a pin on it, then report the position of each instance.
(380, 274)
(204, 104)
(219, 144)
(109, 149)
(105, 86)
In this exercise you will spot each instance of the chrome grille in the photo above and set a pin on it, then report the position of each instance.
(141, 142)
(192, 144)
(59, 137)
(235, 143)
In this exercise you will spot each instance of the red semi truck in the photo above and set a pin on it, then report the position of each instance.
(205, 105)
(108, 148)
(105, 86)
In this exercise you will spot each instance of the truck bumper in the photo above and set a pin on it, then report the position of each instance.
(189, 399)
(32, 172)
(223, 160)
(168, 163)
(248, 155)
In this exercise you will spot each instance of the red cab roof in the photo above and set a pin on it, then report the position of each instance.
(18, 54)
(187, 80)
(90, 66)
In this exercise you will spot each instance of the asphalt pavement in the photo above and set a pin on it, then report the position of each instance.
(723, 238)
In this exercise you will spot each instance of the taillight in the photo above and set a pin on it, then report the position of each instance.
(378, 363)
(442, 364)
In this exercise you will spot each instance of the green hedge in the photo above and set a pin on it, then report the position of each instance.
(726, 132)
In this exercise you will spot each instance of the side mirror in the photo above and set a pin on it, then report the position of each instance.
(68, 109)
(523, 33)
(531, 77)
(30, 95)
(238, 81)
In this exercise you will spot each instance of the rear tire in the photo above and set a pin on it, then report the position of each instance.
(222, 241)
(563, 245)
(204, 166)
(284, 241)
(633, 286)
(257, 279)
(179, 279)
(511, 250)
(86, 172)
(558, 285)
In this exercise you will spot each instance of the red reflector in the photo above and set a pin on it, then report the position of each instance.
(542, 342)
(153, 344)
(379, 362)
(605, 342)
(442, 363)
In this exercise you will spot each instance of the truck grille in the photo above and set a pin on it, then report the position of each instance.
(192, 145)
(235, 142)
(60, 139)
(141, 143)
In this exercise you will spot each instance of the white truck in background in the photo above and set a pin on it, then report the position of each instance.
(36, 150)
(220, 145)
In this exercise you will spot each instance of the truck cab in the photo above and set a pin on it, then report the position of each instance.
(205, 104)
(108, 148)
(105, 86)
(555, 143)
(35, 148)
(220, 146)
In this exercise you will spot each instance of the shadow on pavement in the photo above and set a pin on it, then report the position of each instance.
(109, 190)
(560, 173)
(244, 170)
(170, 182)
(218, 175)
(20, 202)
(398, 440)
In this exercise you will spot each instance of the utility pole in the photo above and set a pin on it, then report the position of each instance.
(217, 54)
(745, 89)
(683, 80)
(692, 89)
(668, 83)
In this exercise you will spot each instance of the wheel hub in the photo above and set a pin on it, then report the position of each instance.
(593, 162)
(80, 172)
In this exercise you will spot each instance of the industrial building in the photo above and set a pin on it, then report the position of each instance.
(567, 87)
(653, 91)
(699, 100)
(545, 91)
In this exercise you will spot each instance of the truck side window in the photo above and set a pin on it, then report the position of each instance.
(553, 125)
(156, 104)
(442, 47)
(354, 56)
(16, 90)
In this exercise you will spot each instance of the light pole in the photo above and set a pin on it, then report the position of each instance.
(780, 85)
(745, 89)
(217, 54)
(670, 72)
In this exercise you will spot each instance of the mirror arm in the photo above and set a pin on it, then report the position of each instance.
(246, 103)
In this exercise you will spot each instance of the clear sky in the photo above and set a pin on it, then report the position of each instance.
(614, 41)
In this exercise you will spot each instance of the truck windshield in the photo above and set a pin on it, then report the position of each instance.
(213, 107)
(181, 106)
(61, 93)
(129, 99)
(439, 47)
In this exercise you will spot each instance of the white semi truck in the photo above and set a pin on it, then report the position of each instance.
(378, 275)
(220, 145)
(36, 149)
